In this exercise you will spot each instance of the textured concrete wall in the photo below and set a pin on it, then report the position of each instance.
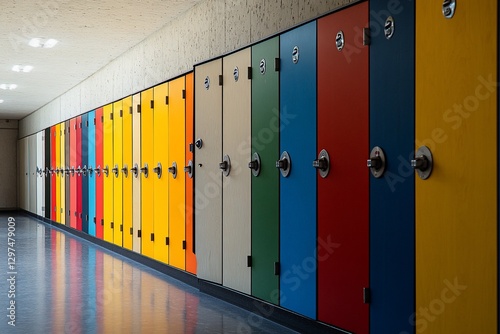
(8, 164)
(208, 30)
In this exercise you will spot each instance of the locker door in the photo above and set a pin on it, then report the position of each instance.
(40, 182)
(99, 177)
(126, 173)
(48, 179)
(343, 207)
(136, 183)
(116, 171)
(79, 176)
(67, 174)
(147, 180)
(62, 174)
(190, 255)
(85, 180)
(208, 180)
(73, 183)
(298, 189)
(107, 173)
(91, 178)
(392, 196)
(265, 184)
(57, 147)
(456, 207)
(160, 173)
(23, 173)
(177, 184)
(236, 215)
(53, 175)
(32, 173)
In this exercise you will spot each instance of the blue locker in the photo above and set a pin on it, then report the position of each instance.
(298, 264)
(91, 176)
(392, 196)
(85, 185)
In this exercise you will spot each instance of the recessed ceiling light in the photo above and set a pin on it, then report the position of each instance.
(1, 101)
(8, 86)
(43, 43)
(21, 68)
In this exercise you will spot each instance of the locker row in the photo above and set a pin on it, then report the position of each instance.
(336, 170)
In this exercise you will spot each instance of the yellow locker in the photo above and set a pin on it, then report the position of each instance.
(160, 173)
(136, 179)
(456, 207)
(126, 174)
(177, 181)
(107, 172)
(62, 177)
(117, 174)
(147, 187)
(58, 173)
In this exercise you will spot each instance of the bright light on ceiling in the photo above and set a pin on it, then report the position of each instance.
(21, 68)
(1, 101)
(8, 86)
(43, 43)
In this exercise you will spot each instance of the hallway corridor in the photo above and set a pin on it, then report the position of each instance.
(63, 284)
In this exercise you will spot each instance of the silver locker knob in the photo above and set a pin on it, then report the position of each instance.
(423, 162)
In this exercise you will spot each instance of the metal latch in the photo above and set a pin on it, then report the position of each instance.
(284, 164)
(377, 162)
(254, 165)
(423, 162)
(225, 165)
(322, 164)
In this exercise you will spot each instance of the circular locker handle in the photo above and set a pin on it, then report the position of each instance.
(105, 170)
(90, 170)
(173, 169)
(84, 170)
(377, 162)
(98, 170)
(125, 170)
(198, 143)
(66, 171)
(157, 170)
(225, 165)
(423, 162)
(254, 165)
(284, 164)
(72, 170)
(135, 170)
(189, 169)
(449, 7)
(57, 171)
(145, 170)
(322, 164)
(78, 170)
(116, 170)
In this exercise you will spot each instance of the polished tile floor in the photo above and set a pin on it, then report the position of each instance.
(63, 284)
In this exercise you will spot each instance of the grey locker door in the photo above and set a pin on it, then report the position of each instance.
(208, 178)
(32, 172)
(40, 180)
(236, 204)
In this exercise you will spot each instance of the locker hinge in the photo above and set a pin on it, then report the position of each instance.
(130, 110)
(152, 104)
(249, 73)
(277, 268)
(277, 64)
(366, 36)
(111, 116)
(166, 100)
(121, 113)
(249, 261)
(221, 80)
(138, 108)
(184, 94)
(139, 234)
(366, 296)
(121, 228)
(184, 244)
(112, 225)
(102, 222)
(131, 231)
(152, 237)
(191, 147)
(167, 241)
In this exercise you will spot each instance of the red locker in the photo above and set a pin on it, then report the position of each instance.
(343, 207)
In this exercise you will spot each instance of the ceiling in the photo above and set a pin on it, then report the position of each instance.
(91, 33)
